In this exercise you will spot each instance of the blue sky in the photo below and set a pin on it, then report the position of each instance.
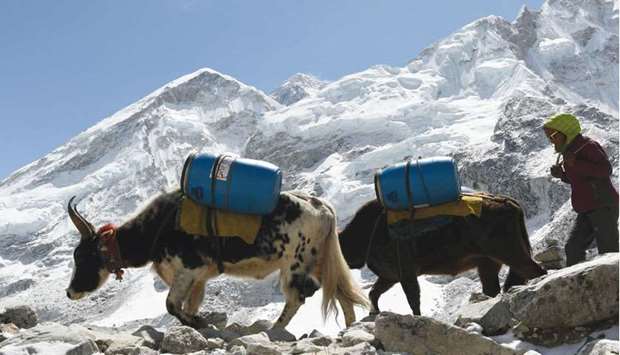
(65, 65)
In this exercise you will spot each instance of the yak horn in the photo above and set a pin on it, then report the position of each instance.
(83, 226)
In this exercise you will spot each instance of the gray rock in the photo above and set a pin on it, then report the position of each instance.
(51, 332)
(264, 349)
(182, 339)
(260, 325)
(422, 335)
(22, 316)
(473, 328)
(476, 297)
(579, 295)
(361, 349)
(315, 334)
(215, 343)
(88, 347)
(356, 336)
(237, 350)
(260, 338)
(308, 346)
(600, 347)
(213, 332)
(551, 258)
(131, 350)
(152, 337)
(279, 334)
(493, 315)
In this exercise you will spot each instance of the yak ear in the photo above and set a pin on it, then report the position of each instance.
(83, 226)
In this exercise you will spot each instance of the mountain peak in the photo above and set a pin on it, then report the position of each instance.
(297, 87)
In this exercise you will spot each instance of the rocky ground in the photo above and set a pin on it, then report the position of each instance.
(565, 307)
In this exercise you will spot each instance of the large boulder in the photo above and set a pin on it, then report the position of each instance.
(600, 347)
(69, 338)
(183, 339)
(422, 335)
(579, 295)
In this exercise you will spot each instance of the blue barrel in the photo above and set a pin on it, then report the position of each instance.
(234, 184)
(419, 182)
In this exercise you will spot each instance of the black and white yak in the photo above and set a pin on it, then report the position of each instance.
(298, 238)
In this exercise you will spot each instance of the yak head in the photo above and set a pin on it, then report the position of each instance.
(89, 271)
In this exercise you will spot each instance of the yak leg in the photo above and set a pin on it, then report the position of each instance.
(181, 287)
(295, 287)
(522, 268)
(488, 270)
(197, 293)
(412, 291)
(380, 286)
(513, 279)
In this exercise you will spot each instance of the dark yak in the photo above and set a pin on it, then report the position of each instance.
(498, 237)
(298, 238)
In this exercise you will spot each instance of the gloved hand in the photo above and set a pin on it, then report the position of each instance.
(557, 172)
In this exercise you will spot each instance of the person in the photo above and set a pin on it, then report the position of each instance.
(586, 167)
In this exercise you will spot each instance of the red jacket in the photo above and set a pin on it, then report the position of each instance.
(590, 176)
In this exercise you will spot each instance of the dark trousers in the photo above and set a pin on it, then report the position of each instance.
(600, 224)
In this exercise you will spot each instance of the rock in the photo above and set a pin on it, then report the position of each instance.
(307, 346)
(322, 341)
(237, 350)
(259, 326)
(356, 336)
(422, 335)
(217, 319)
(551, 258)
(476, 297)
(7, 330)
(182, 339)
(131, 350)
(49, 332)
(260, 338)
(213, 332)
(600, 347)
(361, 349)
(279, 334)
(88, 347)
(579, 295)
(22, 316)
(264, 349)
(473, 328)
(152, 337)
(113, 340)
(493, 315)
(315, 334)
(215, 343)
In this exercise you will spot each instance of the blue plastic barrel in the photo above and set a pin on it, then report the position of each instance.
(234, 184)
(419, 183)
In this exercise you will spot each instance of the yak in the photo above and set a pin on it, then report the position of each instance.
(497, 237)
(298, 238)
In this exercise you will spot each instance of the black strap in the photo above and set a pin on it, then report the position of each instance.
(211, 220)
(428, 195)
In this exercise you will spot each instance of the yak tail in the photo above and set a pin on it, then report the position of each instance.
(336, 279)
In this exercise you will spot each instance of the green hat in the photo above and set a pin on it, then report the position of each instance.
(567, 124)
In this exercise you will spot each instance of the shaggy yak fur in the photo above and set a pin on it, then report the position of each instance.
(497, 237)
(298, 238)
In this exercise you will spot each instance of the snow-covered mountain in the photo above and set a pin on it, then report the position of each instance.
(296, 88)
(479, 95)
